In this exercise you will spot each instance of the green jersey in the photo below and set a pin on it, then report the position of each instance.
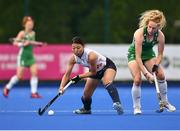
(147, 47)
(25, 57)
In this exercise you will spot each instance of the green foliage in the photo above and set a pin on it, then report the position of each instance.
(57, 21)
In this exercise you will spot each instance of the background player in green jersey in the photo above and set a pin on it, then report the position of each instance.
(25, 58)
(142, 58)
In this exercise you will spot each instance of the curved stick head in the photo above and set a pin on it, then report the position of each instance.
(40, 112)
(160, 110)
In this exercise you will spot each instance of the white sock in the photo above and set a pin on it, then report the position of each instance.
(136, 96)
(163, 89)
(34, 84)
(12, 82)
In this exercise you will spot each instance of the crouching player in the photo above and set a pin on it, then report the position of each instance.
(100, 68)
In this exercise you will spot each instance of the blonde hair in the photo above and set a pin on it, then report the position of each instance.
(152, 15)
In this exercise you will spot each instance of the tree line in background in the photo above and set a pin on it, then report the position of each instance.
(96, 21)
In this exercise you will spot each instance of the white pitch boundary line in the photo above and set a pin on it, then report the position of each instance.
(59, 111)
(70, 111)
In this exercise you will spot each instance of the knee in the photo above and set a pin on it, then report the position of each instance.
(160, 76)
(106, 82)
(34, 70)
(34, 73)
(137, 81)
(19, 76)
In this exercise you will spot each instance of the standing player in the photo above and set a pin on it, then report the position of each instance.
(100, 68)
(25, 58)
(142, 58)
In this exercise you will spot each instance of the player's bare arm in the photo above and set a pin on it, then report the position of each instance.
(20, 36)
(161, 42)
(138, 37)
(67, 74)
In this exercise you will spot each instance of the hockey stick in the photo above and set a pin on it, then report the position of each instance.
(36, 43)
(161, 105)
(41, 111)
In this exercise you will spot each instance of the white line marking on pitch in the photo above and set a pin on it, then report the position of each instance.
(69, 111)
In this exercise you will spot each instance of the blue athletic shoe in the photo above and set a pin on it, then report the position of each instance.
(118, 107)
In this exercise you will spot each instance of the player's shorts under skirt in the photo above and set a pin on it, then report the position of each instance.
(109, 64)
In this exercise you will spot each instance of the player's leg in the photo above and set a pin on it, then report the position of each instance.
(162, 83)
(34, 81)
(87, 96)
(107, 80)
(13, 80)
(136, 88)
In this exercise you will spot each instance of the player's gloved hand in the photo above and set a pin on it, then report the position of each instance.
(75, 79)
(155, 68)
(149, 77)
